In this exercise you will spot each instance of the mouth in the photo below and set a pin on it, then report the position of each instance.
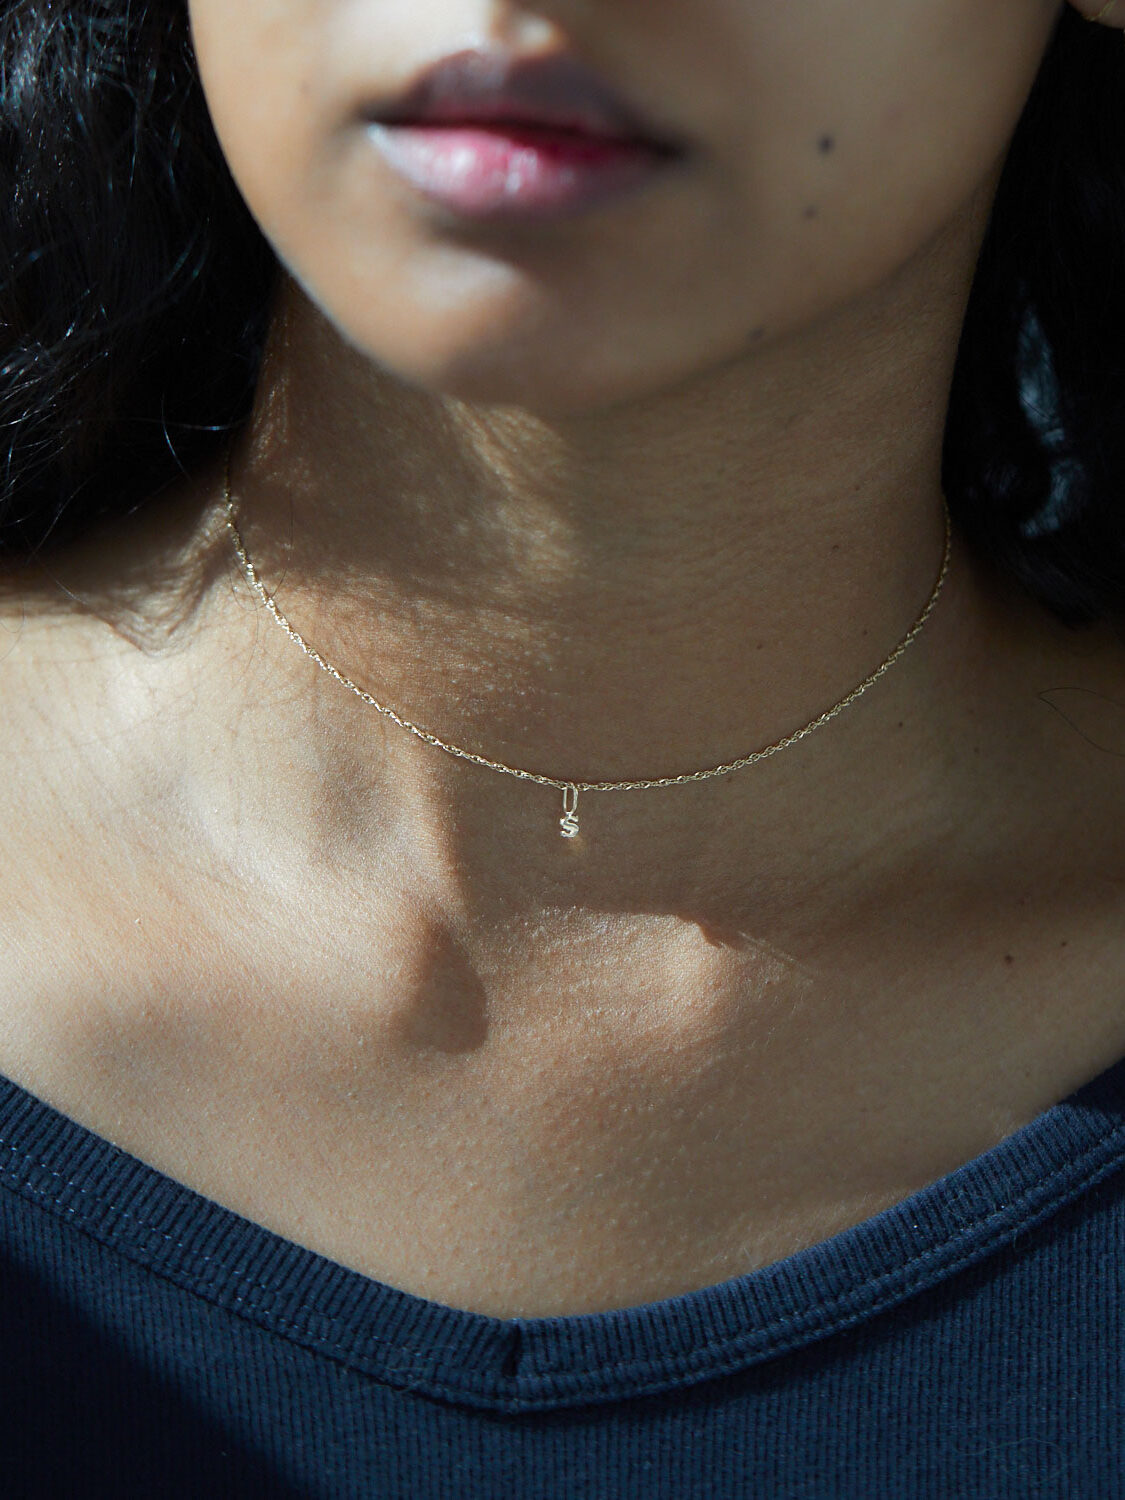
(492, 136)
(548, 91)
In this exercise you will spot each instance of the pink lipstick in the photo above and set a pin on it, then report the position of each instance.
(492, 136)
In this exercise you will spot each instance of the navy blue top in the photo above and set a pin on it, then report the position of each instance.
(966, 1342)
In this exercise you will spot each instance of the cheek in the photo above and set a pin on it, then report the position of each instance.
(866, 131)
(259, 61)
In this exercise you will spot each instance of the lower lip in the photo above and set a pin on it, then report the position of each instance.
(505, 172)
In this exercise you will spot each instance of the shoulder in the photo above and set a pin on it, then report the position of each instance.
(90, 660)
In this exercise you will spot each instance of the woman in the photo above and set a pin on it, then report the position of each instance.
(584, 385)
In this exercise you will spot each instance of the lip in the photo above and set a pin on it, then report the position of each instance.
(515, 172)
(553, 90)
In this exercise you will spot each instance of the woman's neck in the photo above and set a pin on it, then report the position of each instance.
(625, 594)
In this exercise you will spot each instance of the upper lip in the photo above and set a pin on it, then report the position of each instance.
(552, 89)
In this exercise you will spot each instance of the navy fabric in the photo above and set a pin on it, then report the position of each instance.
(966, 1342)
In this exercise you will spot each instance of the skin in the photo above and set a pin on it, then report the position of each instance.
(621, 496)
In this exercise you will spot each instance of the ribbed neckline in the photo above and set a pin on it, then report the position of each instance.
(529, 1364)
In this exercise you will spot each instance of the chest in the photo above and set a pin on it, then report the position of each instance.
(561, 1140)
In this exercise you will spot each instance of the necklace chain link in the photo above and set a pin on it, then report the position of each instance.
(571, 789)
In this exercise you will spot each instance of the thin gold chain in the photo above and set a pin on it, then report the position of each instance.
(570, 789)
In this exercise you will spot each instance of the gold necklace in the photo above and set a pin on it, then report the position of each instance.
(568, 823)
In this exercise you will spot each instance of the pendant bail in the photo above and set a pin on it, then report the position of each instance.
(568, 823)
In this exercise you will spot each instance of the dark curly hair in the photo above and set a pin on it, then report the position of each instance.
(136, 289)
